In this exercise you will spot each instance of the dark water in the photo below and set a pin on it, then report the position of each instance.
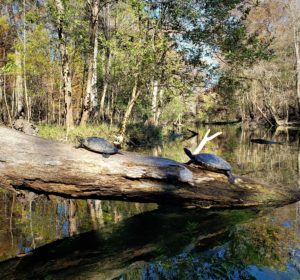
(54, 238)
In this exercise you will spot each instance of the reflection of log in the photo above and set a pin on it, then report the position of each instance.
(221, 122)
(28, 162)
(266, 142)
(194, 133)
(107, 254)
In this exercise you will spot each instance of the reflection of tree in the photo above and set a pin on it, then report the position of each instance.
(36, 220)
(96, 213)
(190, 266)
(262, 244)
(125, 248)
(72, 217)
(107, 253)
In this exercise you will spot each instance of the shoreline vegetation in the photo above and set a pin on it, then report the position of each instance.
(152, 62)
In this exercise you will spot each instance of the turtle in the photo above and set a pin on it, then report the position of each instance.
(211, 162)
(266, 142)
(98, 145)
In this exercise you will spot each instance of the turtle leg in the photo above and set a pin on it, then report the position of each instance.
(106, 155)
(231, 178)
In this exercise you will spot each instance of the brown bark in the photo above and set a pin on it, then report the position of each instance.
(28, 162)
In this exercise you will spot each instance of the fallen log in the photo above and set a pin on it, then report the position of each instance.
(41, 165)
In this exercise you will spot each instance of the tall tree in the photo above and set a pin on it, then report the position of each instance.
(105, 17)
(270, 87)
(65, 64)
(91, 89)
(293, 13)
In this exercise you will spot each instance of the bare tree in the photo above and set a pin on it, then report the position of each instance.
(91, 89)
(65, 65)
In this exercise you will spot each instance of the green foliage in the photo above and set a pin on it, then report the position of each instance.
(145, 135)
(207, 110)
(261, 244)
(58, 132)
(242, 48)
(4, 25)
(168, 42)
(173, 109)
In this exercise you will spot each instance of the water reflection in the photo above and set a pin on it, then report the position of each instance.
(175, 244)
(264, 248)
(28, 221)
(105, 254)
(274, 164)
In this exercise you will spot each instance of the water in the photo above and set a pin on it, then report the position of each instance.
(93, 239)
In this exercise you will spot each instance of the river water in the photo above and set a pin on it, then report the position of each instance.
(48, 237)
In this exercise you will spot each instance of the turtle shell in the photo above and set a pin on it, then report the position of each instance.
(211, 162)
(99, 145)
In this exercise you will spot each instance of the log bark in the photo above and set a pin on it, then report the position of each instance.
(30, 162)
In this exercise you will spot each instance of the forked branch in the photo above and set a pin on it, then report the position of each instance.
(205, 139)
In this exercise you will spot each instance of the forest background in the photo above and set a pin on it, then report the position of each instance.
(148, 63)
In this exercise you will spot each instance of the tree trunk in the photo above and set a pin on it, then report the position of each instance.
(134, 95)
(28, 162)
(19, 93)
(154, 101)
(2, 115)
(91, 89)
(28, 113)
(159, 106)
(297, 56)
(157, 94)
(106, 27)
(67, 82)
(5, 100)
(106, 70)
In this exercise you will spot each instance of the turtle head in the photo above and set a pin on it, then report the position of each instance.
(188, 152)
(80, 139)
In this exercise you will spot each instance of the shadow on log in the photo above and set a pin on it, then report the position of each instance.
(29, 162)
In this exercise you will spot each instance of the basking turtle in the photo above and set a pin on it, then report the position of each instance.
(211, 162)
(98, 145)
(266, 142)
